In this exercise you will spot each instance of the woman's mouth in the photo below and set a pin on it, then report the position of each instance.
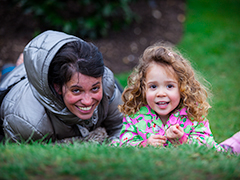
(84, 108)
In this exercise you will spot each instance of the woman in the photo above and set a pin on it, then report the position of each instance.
(67, 92)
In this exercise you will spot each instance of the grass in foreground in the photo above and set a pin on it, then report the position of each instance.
(92, 161)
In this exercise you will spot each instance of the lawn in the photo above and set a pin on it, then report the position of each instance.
(212, 42)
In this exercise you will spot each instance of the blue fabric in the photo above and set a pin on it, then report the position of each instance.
(8, 69)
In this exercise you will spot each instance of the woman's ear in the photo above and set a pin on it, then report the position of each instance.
(57, 89)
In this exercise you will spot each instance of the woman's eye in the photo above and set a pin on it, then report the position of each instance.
(75, 90)
(96, 88)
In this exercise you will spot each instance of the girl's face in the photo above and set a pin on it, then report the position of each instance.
(162, 91)
(82, 94)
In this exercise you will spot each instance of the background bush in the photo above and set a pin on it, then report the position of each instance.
(85, 18)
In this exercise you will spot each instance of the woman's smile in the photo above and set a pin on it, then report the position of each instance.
(85, 108)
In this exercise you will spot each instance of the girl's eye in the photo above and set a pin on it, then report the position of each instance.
(170, 86)
(153, 86)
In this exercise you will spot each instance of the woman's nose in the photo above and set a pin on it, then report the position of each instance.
(86, 99)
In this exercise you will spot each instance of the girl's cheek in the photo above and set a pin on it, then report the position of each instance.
(149, 97)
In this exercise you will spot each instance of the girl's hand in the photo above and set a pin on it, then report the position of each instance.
(156, 140)
(174, 133)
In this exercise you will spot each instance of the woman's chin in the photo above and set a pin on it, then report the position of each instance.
(85, 116)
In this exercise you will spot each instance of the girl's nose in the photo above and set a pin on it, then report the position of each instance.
(161, 92)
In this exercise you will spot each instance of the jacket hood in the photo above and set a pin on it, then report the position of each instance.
(38, 55)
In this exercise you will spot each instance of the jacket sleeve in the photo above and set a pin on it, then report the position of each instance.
(201, 134)
(18, 130)
(23, 117)
(129, 134)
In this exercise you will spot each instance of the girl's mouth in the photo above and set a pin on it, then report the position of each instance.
(162, 103)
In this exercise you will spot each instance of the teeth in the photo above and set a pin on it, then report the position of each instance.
(162, 103)
(85, 108)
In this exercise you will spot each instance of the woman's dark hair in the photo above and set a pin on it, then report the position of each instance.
(75, 56)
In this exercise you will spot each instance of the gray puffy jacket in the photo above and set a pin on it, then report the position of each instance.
(30, 110)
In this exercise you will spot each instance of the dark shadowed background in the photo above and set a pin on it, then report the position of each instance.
(160, 20)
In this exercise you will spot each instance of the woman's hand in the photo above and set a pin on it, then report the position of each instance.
(174, 133)
(156, 140)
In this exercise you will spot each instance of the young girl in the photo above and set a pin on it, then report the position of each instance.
(164, 103)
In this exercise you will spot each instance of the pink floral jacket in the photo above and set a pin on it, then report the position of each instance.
(139, 127)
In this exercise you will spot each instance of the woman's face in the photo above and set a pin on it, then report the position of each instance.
(82, 94)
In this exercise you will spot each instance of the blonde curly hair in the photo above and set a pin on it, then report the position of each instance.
(194, 95)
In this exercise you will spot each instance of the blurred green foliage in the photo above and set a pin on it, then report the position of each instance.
(85, 18)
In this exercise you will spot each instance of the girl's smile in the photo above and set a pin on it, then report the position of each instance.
(162, 104)
(162, 91)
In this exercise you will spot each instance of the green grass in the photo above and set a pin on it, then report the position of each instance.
(89, 161)
(211, 41)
